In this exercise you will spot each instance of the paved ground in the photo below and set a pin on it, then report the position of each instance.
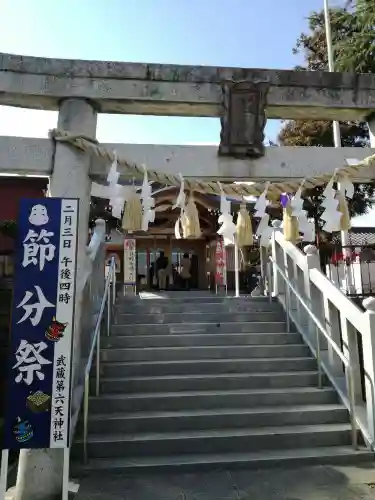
(310, 483)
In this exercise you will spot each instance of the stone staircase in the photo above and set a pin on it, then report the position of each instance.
(204, 382)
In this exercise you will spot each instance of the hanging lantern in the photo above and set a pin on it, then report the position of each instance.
(190, 220)
(132, 219)
(244, 229)
(290, 225)
(345, 223)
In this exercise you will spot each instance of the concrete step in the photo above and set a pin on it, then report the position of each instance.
(207, 366)
(186, 340)
(227, 381)
(175, 421)
(218, 441)
(193, 400)
(204, 317)
(204, 352)
(229, 306)
(333, 455)
(187, 298)
(181, 328)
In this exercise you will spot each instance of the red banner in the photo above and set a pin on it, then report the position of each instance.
(221, 263)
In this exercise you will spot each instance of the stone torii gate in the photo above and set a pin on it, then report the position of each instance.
(242, 98)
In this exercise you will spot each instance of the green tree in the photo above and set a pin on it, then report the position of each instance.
(353, 39)
(359, 55)
(320, 133)
(355, 22)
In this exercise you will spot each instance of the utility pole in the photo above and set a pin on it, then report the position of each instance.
(336, 135)
(331, 67)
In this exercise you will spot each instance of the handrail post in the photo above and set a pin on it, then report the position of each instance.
(278, 258)
(111, 298)
(114, 286)
(318, 305)
(311, 262)
(319, 359)
(269, 281)
(290, 271)
(97, 379)
(368, 339)
(264, 264)
(351, 395)
(109, 305)
(287, 307)
(85, 416)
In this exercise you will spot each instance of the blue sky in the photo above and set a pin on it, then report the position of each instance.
(244, 33)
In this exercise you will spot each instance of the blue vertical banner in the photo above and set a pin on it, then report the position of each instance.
(37, 410)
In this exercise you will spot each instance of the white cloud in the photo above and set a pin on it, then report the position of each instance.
(26, 122)
(21, 122)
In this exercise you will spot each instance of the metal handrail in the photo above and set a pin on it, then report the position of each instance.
(333, 344)
(95, 347)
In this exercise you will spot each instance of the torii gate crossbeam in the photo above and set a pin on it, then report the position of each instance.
(27, 156)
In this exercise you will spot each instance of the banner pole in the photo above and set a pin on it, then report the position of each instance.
(236, 271)
(65, 485)
(4, 473)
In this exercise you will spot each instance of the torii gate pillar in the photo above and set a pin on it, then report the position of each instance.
(40, 472)
(71, 179)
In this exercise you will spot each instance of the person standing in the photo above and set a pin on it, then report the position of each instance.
(161, 270)
(185, 270)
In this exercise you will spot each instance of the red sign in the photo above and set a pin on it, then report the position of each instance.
(338, 257)
(221, 263)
